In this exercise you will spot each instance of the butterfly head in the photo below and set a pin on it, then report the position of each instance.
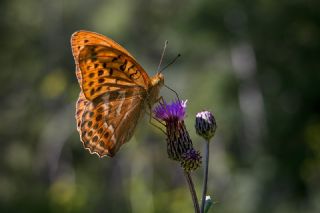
(157, 82)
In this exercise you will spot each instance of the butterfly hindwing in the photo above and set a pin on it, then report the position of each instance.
(80, 107)
(109, 121)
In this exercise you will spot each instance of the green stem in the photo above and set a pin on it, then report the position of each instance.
(192, 191)
(205, 178)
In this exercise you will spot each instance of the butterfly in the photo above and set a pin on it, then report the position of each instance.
(115, 92)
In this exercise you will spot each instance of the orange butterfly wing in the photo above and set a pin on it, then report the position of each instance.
(82, 38)
(114, 87)
(107, 124)
(104, 69)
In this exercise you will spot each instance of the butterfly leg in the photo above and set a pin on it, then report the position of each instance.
(160, 100)
(153, 124)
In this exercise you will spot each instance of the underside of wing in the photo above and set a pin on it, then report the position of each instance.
(80, 108)
(104, 69)
(82, 38)
(108, 122)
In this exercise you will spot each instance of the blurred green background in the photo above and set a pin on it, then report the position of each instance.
(255, 64)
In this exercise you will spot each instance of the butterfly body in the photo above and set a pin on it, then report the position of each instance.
(115, 92)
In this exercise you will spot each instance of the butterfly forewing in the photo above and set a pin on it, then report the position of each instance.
(82, 38)
(106, 69)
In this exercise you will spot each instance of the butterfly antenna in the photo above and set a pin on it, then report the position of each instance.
(174, 60)
(162, 54)
(173, 91)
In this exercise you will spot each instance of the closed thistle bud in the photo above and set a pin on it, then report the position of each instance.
(191, 160)
(205, 125)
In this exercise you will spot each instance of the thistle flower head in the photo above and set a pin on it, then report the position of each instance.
(205, 124)
(170, 112)
(179, 144)
(191, 160)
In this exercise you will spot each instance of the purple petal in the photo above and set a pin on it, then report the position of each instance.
(174, 110)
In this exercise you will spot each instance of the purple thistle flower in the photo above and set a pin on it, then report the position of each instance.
(179, 143)
(169, 112)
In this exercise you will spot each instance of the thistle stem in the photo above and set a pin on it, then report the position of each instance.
(205, 176)
(192, 191)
